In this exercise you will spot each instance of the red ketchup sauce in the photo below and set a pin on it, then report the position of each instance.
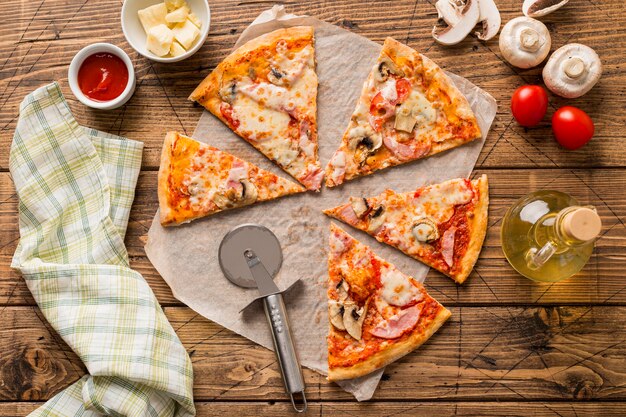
(102, 76)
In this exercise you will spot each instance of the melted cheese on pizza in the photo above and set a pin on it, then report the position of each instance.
(397, 289)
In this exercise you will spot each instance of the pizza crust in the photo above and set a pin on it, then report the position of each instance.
(166, 214)
(478, 231)
(389, 355)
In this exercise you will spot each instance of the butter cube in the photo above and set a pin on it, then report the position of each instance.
(152, 16)
(159, 40)
(176, 49)
(174, 4)
(194, 19)
(178, 15)
(186, 33)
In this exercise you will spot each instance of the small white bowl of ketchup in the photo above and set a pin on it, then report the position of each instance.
(102, 76)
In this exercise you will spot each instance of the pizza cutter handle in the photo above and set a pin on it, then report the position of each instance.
(285, 351)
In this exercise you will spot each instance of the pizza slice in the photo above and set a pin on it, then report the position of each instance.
(266, 92)
(441, 225)
(408, 109)
(196, 180)
(377, 314)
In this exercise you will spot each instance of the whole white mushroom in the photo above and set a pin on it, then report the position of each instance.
(572, 70)
(524, 42)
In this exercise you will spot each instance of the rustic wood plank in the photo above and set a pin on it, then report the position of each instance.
(497, 353)
(492, 282)
(35, 363)
(38, 45)
(384, 409)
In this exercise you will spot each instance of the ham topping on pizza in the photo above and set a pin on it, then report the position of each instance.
(397, 325)
(338, 163)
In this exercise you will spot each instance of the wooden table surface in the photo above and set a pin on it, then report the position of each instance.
(512, 347)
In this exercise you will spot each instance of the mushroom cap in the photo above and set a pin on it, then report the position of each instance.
(538, 8)
(460, 19)
(490, 19)
(572, 70)
(525, 42)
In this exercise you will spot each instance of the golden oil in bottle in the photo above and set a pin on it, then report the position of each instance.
(547, 236)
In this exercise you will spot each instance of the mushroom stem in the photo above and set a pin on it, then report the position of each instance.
(524, 42)
(529, 40)
(574, 67)
(572, 70)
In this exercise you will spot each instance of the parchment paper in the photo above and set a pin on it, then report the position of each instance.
(186, 256)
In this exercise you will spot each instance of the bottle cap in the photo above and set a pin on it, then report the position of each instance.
(582, 223)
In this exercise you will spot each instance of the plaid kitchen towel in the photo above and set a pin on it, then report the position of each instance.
(75, 188)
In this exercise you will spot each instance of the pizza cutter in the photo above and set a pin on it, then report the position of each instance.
(250, 256)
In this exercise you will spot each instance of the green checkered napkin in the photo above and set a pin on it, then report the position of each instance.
(76, 187)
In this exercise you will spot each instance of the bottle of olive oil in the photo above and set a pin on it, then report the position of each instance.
(548, 236)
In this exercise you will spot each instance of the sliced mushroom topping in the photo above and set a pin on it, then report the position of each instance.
(235, 196)
(228, 92)
(425, 230)
(195, 185)
(376, 218)
(359, 205)
(490, 19)
(226, 199)
(342, 290)
(364, 142)
(249, 193)
(335, 312)
(353, 318)
(460, 17)
(572, 70)
(406, 117)
(414, 112)
(538, 8)
(525, 42)
(276, 77)
(385, 67)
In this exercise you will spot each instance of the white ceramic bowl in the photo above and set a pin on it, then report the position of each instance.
(136, 36)
(77, 61)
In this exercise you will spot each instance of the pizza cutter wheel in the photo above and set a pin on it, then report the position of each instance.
(250, 256)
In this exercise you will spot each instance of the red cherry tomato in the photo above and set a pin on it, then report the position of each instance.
(529, 104)
(403, 88)
(572, 127)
